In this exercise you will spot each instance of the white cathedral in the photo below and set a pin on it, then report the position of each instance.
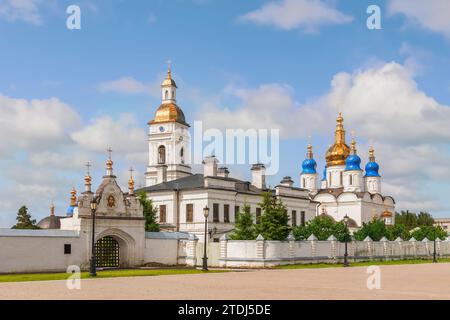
(181, 195)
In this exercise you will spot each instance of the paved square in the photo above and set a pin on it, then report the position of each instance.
(423, 281)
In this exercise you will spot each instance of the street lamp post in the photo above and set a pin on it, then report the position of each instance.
(346, 249)
(93, 269)
(205, 258)
(434, 246)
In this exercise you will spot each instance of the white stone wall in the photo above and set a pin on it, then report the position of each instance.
(24, 251)
(271, 253)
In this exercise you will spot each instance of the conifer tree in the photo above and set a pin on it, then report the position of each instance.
(274, 222)
(24, 220)
(150, 213)
(244, 228)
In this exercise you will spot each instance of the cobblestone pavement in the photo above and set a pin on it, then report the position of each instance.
(423, 281)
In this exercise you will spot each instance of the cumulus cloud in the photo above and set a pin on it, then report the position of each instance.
(44, 145)
(433, 15)
(382, 103)
(23, 10)
(128, 85)
(293, 14)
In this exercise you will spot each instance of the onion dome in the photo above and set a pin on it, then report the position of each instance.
(169, 112)
(73, 202)
(309, 164)
(386, 214)
(353, 162)
(339, 151)
(168, 81)
(372, 167)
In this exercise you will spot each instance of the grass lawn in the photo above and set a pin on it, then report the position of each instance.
(100, 274)
(360, 264)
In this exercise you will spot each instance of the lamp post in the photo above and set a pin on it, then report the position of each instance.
(346, 249)
(205, 258)
(434, 246)
(93, 269)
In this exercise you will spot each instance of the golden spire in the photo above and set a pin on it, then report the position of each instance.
(131, 182)
(73, 197)
(87, 178)
(168, 81)
(353, 145)
(52, 209)
(371, 154)
(339, 151)
(109, 163)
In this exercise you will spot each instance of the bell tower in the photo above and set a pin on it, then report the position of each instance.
(169, 138)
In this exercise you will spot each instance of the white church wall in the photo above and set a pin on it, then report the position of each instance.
(163, 251)
(271, 253)
(40, 250)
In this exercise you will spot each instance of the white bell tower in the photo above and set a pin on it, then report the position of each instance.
(169, 139)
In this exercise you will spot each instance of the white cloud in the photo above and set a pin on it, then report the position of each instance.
(382, 103)
(34, 124)
(433, 15)
(43, 149)
(124, 85)
(24, 10)
(123, 135)
(293, 14)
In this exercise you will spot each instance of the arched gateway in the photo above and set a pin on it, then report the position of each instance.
(107, 252)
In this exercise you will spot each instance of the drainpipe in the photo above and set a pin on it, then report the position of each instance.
(177, 204)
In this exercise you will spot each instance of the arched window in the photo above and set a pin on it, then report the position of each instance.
(304, 183)
(166, 95)
(340, 178)
(350, 177)
(161, 155)
(182, 155)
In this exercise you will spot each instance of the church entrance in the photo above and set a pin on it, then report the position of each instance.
(107, 252)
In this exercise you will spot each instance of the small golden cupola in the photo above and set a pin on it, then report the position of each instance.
(339, 151)
(169, 111)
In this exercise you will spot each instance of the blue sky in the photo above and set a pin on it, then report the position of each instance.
(228, 60)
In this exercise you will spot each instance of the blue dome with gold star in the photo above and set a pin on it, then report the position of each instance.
(372, 167)
(309, 165)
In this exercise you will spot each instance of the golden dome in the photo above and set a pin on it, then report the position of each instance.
(168, 81)
(169, 112)
(386, 214)
(339, 151)
(73, 197)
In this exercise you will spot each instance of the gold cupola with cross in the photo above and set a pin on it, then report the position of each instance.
(169, 111)
(339, 151)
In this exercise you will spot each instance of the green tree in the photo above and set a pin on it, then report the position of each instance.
(244, 228)
(397, 230)
(274, 222)
(424, 219)
(430, 232)
(150, 212)
(322, 227)
(24, 220)
(375, 229)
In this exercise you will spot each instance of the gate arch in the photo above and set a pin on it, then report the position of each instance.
(107, 253)
(126, 246)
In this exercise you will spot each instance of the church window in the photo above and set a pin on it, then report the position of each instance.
(189, 212)
(162, 213)
(166, 95)
(182, 155)
(258, 215)
(340, 178)
(350, 178)
(215, 212)
(329, 178)
(67, 249)
(226, 213)
(294, 218)
(302, 218)
(304, 183)
(161, 155)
